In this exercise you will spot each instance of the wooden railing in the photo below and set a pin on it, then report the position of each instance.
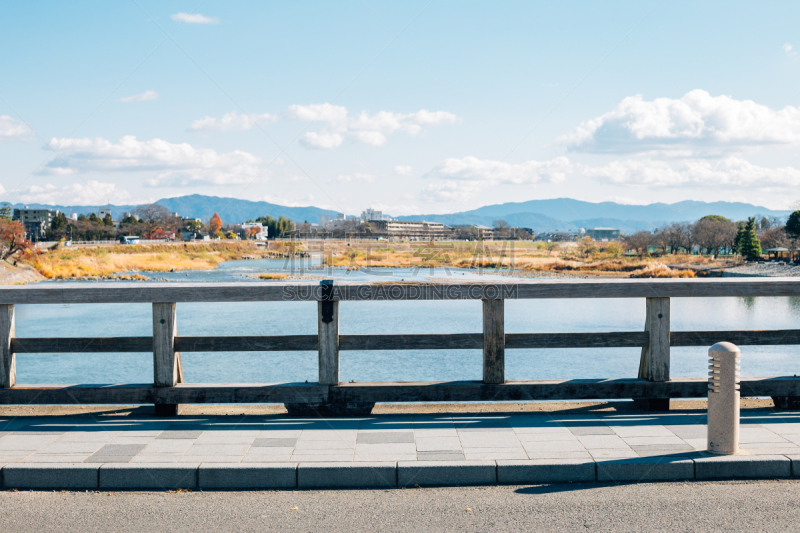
(651, 389)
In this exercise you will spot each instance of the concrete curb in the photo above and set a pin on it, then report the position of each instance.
(260, 476)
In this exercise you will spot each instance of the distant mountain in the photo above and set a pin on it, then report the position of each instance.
(563, 214)
(234, 210)
(198, 206)
(568, 214)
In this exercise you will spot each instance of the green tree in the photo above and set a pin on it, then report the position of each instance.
(276, 227)
(94, 218)
(5, 211)
(749, 245)
(194, 225)
(107, 220)
(715, 218)
(792, 229)
(737, 241)
(59, 225)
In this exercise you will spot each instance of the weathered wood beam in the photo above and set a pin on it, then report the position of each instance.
(81, 293)
(167, 369)
(494, 342)
(328, 328)
(8, 361)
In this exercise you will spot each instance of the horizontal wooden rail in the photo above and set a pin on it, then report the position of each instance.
(460, 341)
(83, 293)
(442, 391)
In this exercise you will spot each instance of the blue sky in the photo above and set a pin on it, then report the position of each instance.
(412, 107)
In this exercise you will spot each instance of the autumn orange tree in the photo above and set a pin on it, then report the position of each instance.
(215, 224)
(12, 236)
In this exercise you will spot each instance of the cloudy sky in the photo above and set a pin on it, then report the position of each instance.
(412, 107)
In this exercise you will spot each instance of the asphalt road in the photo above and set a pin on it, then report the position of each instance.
(695, 506)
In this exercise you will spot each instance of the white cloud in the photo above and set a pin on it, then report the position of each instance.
(172, 164)
(472, 168)
(141, 97)
(403, 170)
(789, 49)
(448, 191)
(13, 129)
(89, 193)
(324, 141)
(230, 121)
(697, 120)
(730, 171)
(364, 128)
(193, 18)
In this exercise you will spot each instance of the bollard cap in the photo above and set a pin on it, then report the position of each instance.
(724, 347)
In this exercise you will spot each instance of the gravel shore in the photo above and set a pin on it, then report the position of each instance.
(769, 269)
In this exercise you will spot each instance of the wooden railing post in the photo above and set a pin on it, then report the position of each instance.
(167, 369)
(328, 327)
(494, 342)
(654, 362)
(8, 360)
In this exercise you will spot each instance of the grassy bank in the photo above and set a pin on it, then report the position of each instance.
(65, 263)
(601, 259)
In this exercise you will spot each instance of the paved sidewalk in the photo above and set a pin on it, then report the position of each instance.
(274, 451)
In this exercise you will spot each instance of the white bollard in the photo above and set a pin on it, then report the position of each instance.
(723, 398)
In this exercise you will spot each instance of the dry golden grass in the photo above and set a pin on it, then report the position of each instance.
(105, 261)
(660, 270)
(273, 276)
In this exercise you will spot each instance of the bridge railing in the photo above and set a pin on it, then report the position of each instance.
(652, 388)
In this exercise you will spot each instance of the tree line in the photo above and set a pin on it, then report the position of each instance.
(714, 234)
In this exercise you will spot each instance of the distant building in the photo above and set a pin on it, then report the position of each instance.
(73, 216)
(251, 230)
(36, 221)
(603, 234)
(371, 215)
(556, 236)
(194, 236)
(410, 229)
(484, 233)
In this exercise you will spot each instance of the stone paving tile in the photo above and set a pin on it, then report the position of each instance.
(591, 430)
(443, 432)
(558, 455)
(157, 458)
(88, 436)
(390, 448)
(384, 458)
(72, 447)
(603, 441)
(440, 456)
(642, 431)
(664, 449)
(544, 437)
(280, 434)
(211, 459)
(218, 449)
(697, 444)
(324, 445)
(768, 445)
(438, 444)
(385, 436)
(248, 458)
(554, 446)
(481, 424)
(771, 451)
(205, 438)
(645, 441)
(787, 428)
(297, 458)
(24, 442)
(270, 450)
(55, 458)
(131, 440)
(330, 435)
(696, 431)
(613, 454)
(168, 446)
(274, 443)
(94, 458)
(14, 458)
(174, 434)
(335, 451)
(489, 440)
(747, 435)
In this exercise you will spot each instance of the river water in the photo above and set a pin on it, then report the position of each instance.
(382, 317)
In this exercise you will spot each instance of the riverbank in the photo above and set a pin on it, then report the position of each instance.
(18, 275)
(781, 270)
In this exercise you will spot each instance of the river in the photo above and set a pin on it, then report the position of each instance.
(381, 317)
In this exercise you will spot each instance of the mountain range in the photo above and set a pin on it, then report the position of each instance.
(564, 214)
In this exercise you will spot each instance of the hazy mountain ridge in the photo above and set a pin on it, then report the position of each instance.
(562, 214)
